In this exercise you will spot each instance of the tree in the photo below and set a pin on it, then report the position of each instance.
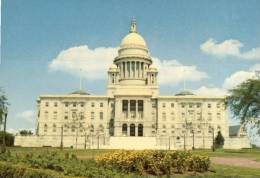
(3, 106)
(219, 140)
(3, 117)
(25, 132)
(244, 102)
(9, 138)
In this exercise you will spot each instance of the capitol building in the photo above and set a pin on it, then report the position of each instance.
(132, 115)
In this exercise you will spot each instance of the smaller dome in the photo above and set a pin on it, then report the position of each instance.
(79, 92)
(153, 66)
(183, 93)
(113, 66)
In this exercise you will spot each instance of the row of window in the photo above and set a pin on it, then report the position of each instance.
(198, 127)
(67, 127)
(190, 105)
(74, 115)
(190, 115)
(74, 104)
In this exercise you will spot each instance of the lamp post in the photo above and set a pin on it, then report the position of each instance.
(61, 141)
(192, 131)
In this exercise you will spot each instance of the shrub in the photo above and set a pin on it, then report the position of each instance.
(219, 140)
(9, 170)
(65, 164)
(154, 162)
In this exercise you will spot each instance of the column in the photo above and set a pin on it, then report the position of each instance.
(123, 69)
(135, 69)
(136, 109)
(138, 69)
(131, 72)
(142, 70)
(128, 108)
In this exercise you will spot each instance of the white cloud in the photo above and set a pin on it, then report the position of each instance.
(230, 82)
(172, 72)
(228, 48)
(237, 78)
(27, 115)
(94, 64)
(206, 91)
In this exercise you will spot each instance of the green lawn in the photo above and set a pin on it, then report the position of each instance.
(215, 170)
(253, 154)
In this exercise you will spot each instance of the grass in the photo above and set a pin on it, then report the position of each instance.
(215, 170)
(253, 154)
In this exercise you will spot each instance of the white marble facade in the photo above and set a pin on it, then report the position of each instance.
(132, 114)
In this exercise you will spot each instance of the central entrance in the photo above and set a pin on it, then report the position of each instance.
(132, 130)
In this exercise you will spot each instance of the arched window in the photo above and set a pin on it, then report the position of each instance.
(124, 129)
(54, 128)
(45, 128)
(140, 129)
(132, 130)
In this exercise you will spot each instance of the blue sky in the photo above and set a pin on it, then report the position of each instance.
(206, 36)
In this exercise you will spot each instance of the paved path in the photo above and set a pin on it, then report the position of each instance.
(236, 161)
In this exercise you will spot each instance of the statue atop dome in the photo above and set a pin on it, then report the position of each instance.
(133, 26)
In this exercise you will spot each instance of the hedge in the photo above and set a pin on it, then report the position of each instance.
(9, 170)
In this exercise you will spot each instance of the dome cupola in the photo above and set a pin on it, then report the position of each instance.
(133, 45)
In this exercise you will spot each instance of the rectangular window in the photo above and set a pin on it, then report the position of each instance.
(190, 105)
(66, 104)
(183, 105)
(140, 105)
(55, 104)
(92, 105)
(74, 104)
(101, 115)
(218, 105)
(92, 115)
(183, 115)
(54, 115)
(172, 105)
(172, 115)
(163, 105)
(125, 105)
(198, 105)
(218, 116)
(132, 105)
(81, 115)
(101, 105)
(209, 116)
(47, 104)
(82, 104)
(198, 116)
(164, 116)
(74, 115)
(154, 105)
(209, 105)
(46, 115)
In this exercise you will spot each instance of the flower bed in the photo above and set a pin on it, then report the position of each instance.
(154, 162)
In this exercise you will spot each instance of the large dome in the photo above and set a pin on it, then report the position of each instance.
(133, 45)
(133, 39)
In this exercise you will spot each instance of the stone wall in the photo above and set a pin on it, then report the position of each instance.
(129, 142)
